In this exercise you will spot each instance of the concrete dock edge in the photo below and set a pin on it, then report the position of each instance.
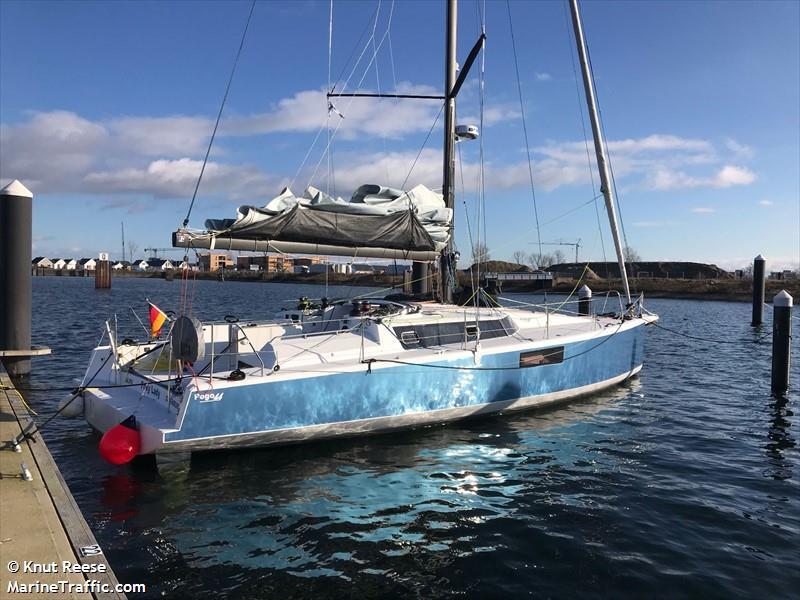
(40, 520)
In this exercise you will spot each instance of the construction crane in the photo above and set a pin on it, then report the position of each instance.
(576, 244)
(154, 251)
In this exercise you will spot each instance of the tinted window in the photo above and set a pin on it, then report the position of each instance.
(537, 358)
(438, 334)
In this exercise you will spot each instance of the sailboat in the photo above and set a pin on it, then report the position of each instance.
(343, 368)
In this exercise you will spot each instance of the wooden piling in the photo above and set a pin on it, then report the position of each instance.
(759, 268)
(419, 278)
(102, 274)
(781, 341)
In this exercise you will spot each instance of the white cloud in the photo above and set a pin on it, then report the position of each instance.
(177, 178)
(765, 202)
(492, 115)
(306, 111)
(63, 152)
(161, 136)
(666, 179)
(543, 77)
(730, 176)
(703, 210)
(740, 151)
(774, 262)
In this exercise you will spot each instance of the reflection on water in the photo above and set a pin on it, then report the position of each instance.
(780, 438)
(681, 482)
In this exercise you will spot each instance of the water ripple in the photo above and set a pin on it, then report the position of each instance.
(681, 483)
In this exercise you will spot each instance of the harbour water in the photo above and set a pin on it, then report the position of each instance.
(685, 482)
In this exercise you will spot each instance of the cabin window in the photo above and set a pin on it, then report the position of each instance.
(439, 334)
(537, 358)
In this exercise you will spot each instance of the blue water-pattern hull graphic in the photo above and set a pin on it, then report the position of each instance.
(405, 389)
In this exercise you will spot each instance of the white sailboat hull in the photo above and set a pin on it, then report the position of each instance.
(400, 389)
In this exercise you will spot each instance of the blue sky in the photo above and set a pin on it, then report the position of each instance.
(107, 108)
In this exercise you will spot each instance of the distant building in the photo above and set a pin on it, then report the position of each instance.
(783, 275)
(70, 264)
(121, 265)
(158, 264)
(342, 268)
(139, 264)
(58, 263)
(187, 265)
(42, 262)
(307, 261)
(215, 261)
(87, 264)
(362, 269)
(271, 263)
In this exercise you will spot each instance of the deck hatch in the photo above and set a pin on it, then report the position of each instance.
(537, 358)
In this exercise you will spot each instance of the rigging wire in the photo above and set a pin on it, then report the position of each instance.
(422, 147)
(524, 128)
(586, 140)
(482, 171)
(332, 108)
(366, 71)
(328, 121)
(472, 278)
(378, 78)
(608, 156)
(219, 114)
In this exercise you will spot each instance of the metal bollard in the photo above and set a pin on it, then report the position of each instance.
(15, 275)
(759, 267)
(781, 342)
(585, 300)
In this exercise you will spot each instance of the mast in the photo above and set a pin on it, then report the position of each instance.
(122, 225)
(448, 178)
(599, 145)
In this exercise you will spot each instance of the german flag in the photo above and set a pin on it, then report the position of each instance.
(157, 319)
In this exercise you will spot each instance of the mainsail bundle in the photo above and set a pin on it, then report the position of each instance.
(376, 220)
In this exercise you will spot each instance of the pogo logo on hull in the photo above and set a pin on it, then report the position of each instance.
(208, 396)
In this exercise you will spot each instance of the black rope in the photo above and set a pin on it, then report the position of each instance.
(219, 115)
(29, 432)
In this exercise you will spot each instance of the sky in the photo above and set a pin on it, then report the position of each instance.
(107, 108)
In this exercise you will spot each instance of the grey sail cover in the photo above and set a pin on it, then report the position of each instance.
(375, 217)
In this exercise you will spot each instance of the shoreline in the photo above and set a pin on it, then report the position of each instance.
(726, 290)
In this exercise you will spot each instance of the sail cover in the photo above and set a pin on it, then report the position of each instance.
(374, 217)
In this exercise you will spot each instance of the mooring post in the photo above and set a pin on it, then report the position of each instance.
(585, 300)
(15, 275)
(759, 267)
(419, 278)
(781, 341)
(102, 272)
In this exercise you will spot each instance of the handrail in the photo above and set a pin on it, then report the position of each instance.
(256, 352)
